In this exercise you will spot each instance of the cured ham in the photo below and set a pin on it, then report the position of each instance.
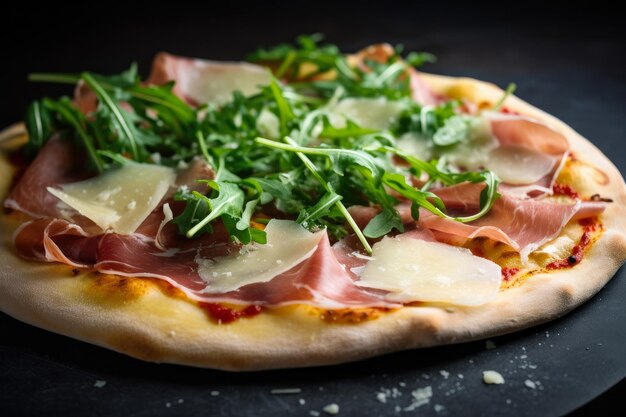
(320, 279)
(530, 155)
(523, 224)
(55, 164)
(200, 81)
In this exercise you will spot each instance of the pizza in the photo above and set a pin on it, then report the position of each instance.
(306, 207)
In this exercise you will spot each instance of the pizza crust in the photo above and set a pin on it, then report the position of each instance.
(143, 319)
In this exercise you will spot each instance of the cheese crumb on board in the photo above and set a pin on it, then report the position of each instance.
(492, 377)
(530, 384)
(421, 396)
(332, 409)
(99, 383)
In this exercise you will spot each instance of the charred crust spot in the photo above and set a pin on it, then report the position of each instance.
(113, 288)
(75, 271)
(351, 316)
(597, 197)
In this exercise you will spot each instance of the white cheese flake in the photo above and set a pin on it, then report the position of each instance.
(214, 82)
(215, 393)
(331, 409)
(492, 377)
(288, 244)
(530, 384)
(121, 198)
(416, 270)
(371, 113)
(99, 383)
(421, 397)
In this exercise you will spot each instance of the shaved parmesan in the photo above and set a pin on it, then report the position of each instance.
(214, 82)
(287, 245)
(120, 199)
(416, 270)
(519, 165)
(371, 113)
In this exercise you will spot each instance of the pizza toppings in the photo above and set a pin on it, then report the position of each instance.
(120, 199)
(200, 81)
(412, 269)
(334, 180)
(288, 244)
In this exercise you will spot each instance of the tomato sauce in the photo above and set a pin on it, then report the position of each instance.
(564, 189)
(590, 225)
(508, 273)
(224, 315)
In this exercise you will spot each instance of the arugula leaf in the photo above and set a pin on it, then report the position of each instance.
(320, 209)
(39, 126)
(74, 118)
(229, 201)
(383, 223)
(454, 130)
(124, 126)
(197, 208)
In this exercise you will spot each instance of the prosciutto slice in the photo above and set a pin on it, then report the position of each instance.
(55, 164)
(201, 81)
(320, 279)
(523, 224)
(526, 146)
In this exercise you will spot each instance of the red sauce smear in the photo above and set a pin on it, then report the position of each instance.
(506, 110)
(508, 273)
(590, 225)
(564, 189)
(225, 314)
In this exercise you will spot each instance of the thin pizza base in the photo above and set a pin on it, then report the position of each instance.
(147, 320)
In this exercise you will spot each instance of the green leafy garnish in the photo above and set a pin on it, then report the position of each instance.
(283, 152)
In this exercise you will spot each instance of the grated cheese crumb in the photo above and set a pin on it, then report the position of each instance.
(444, 374)
(439, 408)
(215, 393)
(100, 383)
(314, 413)
(421, 396)
(530, 384)
(332, 409)
(492, 377)
(489, 344)
(302, 401)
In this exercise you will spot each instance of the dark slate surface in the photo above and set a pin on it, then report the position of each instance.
(568, 62)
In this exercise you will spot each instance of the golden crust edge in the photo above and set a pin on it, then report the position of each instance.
(185, 336)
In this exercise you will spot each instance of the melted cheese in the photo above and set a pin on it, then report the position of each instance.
(287, 245)
(214, 82)
(416, 270)
(120, 199)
